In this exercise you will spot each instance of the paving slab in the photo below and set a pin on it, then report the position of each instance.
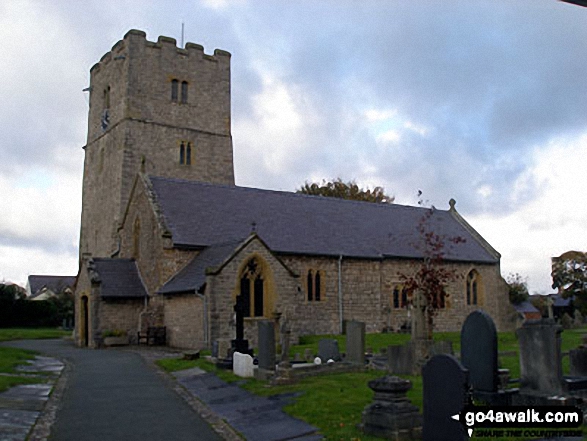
(256, 418)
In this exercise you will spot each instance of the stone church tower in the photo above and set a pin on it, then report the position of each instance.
(154, 108)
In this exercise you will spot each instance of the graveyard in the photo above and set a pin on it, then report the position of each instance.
(518, 369)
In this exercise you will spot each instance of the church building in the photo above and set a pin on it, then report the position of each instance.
(168, 239)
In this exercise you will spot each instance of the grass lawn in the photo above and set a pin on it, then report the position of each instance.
(334, 403)
(10, 358)
(31, 333)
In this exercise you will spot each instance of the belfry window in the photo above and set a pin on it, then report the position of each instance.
(184, 92)
(182, 153)
(174, 90)
(188, 154)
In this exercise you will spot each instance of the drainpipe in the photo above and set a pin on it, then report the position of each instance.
(205, 300)
(340, 293)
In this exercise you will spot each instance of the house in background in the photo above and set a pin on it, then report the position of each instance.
(527, 311)
(44, 287)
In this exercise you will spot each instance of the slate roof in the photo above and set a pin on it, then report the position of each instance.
(119, 278)
(201, 214)
(526, 307)
(561, 302)
(57, 284)
(193, 275)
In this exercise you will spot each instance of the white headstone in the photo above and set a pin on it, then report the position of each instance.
(317, 360)
(242, 364)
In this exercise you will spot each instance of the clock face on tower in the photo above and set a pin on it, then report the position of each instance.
(105, 120)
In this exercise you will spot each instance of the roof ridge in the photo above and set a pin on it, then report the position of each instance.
(291, 193)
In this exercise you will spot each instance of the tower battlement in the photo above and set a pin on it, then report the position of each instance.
(135, 37)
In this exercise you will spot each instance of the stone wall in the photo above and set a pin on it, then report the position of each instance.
(120, 314)
(184, 319)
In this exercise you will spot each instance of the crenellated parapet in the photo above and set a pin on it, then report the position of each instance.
(137, 40)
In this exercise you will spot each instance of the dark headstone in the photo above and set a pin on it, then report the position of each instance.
(540, 357)
(328, 350)
(446, 385)
(479, 351)
(401, 359)
(355, 342)
(578, 361)
(391, 415)
(266, 345)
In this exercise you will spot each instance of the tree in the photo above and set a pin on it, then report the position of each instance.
(428, 284)
(346, 190)
(518, 289)
(569, 274)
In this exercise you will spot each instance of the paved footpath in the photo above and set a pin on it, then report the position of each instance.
(115, 395)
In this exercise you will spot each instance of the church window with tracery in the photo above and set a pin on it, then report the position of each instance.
(252, 290)
(474, 288)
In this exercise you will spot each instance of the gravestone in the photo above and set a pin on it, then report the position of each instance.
(479, 351)
(566, 321)
(391, 415)
(308, 355)
(440, 347)
(578, 361)
(540, 357)
(266, 355)
(242, 364)
(328, 350)
(400, 359)
(446, 385)
(239, 344)
(355, 342)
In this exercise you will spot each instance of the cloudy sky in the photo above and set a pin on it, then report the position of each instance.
(481, 101)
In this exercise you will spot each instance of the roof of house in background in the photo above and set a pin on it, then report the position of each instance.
(201, 214)
(118, 278)
(526, 307)
(560, 302)
(57, 284)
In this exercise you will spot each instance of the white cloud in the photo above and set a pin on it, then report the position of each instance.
(549, 225)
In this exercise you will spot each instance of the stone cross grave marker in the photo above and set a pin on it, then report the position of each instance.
(328, 350)
(355, 342)
(239, 344)
(446, 385)
(540, 357)
(479, 351)
(266, 345)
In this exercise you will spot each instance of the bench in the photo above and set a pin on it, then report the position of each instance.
(156, 335)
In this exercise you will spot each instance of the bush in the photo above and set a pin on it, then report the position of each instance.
(17, 311)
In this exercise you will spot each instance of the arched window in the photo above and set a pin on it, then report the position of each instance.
(182, 153)
(474, 288)
(188, 154)
(317, 290)
(184, 92)
(400, 297)
(174, 90)
(107, 98)
(396, 298)
(310, 282)
(252, 282)
(136, 237)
